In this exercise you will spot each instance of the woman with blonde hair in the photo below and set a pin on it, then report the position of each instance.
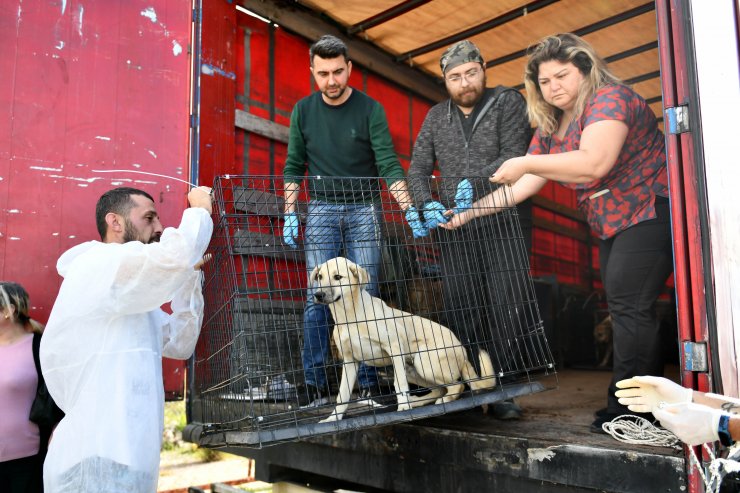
(22, 442)
(599, 137)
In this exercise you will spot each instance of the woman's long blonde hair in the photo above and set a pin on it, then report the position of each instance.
(563, 48)
(14, 303)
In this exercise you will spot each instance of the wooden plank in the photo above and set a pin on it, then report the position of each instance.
(257, 202)
(558, 208)
(580, 235)
(266, 245)
(295, 293)
(268, 305)
(263, 203)
(261, 126)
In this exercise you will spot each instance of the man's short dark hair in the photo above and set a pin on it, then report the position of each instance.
(328, 47)
(117, 201)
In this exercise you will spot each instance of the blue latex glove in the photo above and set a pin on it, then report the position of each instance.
(463, 196)
(417, 227)
(434, 214)
(290, 228)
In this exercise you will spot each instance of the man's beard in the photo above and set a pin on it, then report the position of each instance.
(338, 95)
(472, 95)
(130, 234)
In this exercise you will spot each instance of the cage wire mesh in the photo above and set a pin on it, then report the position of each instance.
(269, 361)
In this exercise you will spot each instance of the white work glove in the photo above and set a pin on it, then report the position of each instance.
(644, 394)
(694, 424)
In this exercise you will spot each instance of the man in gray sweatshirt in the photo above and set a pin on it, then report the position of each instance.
(483, 263)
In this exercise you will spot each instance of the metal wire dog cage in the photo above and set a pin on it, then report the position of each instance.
(266, 369)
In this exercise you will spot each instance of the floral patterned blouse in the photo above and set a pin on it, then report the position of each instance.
(626, 195)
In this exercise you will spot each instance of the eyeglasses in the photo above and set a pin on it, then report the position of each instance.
(471, 74)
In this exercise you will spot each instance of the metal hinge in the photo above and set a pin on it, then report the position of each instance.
(695, 356)
(677, 119)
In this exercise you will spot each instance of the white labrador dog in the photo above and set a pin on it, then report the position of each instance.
(367, 330)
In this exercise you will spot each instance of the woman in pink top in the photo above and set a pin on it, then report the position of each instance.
(21, 450)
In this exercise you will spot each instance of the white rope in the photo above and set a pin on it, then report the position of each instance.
(633, 429)
(719, 467)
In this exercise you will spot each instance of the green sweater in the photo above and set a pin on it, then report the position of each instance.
(348, 140)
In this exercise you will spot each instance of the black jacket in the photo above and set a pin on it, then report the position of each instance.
(501, 131)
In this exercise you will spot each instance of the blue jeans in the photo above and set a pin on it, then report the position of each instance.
(331, 229)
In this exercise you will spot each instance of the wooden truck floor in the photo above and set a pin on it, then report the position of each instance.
(549, 449)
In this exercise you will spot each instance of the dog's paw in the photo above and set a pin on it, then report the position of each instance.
(331, 419)
(404, 407)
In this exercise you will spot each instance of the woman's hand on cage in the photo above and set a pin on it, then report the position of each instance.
(457, 219)
(510, 171)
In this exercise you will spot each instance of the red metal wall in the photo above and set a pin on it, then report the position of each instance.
(216, 95)
(272, 74)
(557, 253)
(105, 86)
(94, 85)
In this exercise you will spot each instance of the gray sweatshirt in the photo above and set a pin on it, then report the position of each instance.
(501, 131)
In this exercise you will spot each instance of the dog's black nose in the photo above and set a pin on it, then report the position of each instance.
(319, 296)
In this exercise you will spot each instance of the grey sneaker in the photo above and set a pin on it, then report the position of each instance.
(505, 410)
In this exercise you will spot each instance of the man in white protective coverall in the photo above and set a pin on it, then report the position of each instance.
(102, 349)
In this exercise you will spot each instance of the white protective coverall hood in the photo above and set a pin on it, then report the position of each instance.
(102, 350)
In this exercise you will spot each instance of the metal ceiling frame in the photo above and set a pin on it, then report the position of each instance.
(386, 15)
(312, 26)
(653, 45)
(486, 26)
(596, 26)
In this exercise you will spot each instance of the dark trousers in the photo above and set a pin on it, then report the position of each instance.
(635, 265)
(24, 475)
(485, 277)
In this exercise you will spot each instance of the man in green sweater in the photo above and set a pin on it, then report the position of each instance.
(340, 137)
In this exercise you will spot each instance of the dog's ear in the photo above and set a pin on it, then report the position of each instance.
(360, 274)
(313, 274)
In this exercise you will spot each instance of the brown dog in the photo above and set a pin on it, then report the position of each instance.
(367, 330)
(603, 341)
